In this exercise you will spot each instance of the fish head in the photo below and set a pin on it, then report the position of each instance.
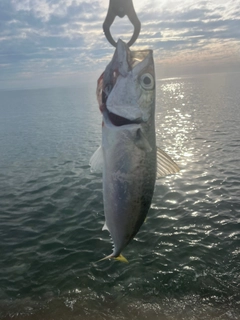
(127, 87)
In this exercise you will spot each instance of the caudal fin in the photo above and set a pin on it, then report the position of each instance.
(119, 258)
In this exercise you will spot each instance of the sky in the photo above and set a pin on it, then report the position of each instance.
(49, 43)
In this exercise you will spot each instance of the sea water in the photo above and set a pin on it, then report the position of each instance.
(185, 261)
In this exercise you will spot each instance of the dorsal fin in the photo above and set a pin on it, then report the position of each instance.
(105, 226)
(165, 164)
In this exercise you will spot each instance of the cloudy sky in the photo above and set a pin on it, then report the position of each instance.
(60, 42)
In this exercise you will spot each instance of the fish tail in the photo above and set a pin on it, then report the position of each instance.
(118, 258)
(121, 258)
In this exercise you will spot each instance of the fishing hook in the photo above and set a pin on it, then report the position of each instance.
(121, 8)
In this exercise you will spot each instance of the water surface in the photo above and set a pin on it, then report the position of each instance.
(184, 262)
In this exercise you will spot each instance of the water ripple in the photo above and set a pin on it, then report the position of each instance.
(184, 262)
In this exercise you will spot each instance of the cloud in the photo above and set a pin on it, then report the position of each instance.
(201, 33)
(57, 39)
(46, 37)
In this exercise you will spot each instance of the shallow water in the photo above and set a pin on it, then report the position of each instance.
(184, 262)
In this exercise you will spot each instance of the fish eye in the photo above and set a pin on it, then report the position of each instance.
(147, 81)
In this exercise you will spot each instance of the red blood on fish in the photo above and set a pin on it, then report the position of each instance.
(102, 107)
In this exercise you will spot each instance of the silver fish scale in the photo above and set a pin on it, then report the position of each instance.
(128, 143)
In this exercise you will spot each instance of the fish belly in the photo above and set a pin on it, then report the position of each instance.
(128, 185)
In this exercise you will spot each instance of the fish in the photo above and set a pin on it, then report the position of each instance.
(128, 156)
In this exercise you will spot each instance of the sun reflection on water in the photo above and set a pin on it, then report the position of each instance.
(174, 123)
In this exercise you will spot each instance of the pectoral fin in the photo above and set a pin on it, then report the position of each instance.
(141, 142)
(165, 164)
(96, 160)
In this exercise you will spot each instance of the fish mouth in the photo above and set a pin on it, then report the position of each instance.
(114, 118)
(119, 121)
